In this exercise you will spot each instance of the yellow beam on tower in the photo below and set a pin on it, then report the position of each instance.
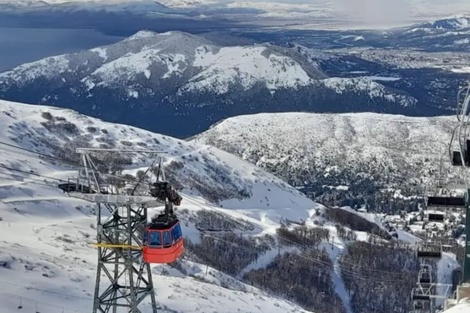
(117, 246)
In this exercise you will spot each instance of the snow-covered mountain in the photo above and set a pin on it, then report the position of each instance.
(448, 34)
(453, 23)
(179, 84)
(356, 155)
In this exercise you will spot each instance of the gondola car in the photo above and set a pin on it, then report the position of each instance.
(163, 239)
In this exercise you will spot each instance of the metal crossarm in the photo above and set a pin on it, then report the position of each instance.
(123, 279)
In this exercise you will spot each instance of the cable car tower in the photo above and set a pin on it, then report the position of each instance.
(124, 279)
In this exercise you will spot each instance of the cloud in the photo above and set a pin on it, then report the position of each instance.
(375, 12)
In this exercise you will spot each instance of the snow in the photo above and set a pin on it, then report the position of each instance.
(47, 262)
(462, 41)
(70, 268)
(208, 294)
(445, 266)
(266, 203)
(462, 307)
(248, 65)
(264, 260)
(133, 64)
(350, 141)
(407, 237)
(334, 252)
(382, 78)
(378, 220)
(145, 34)
(419, 29)
(188, 3)
(133, 94)
(101, 52)
(465, 69)
(453, 22)
(47, 68)
(174, 67)
(365, 84)
(21, 119)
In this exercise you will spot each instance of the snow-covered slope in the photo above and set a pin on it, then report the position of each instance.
(360, 153)
(462, 307)
(47, 264)
(46, 259)
(301, 137)
(214, 172)
(447, 34)
(445, 267)
(452, 23)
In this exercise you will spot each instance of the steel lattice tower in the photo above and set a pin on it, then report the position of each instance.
(123, 278)
(129, 278)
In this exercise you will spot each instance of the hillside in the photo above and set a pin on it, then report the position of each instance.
(45, 254)
(48, 264)
(179, 84)
(216, 175)
(462, 307)
(343, 159)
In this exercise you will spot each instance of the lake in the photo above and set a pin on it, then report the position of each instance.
(21, 45)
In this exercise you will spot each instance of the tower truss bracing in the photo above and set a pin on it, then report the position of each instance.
(123, 279)
(127, 280)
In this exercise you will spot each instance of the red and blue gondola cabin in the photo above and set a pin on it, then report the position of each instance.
(163, 243)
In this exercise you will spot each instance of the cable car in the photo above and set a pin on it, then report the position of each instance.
(163, 243)
(163, 239)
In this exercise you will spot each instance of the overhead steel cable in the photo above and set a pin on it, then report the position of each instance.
(193, 202)
(389, 273)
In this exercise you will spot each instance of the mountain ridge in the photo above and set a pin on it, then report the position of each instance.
(160, 82)
(366, 153)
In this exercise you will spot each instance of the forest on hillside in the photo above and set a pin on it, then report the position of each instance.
(378, 275)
